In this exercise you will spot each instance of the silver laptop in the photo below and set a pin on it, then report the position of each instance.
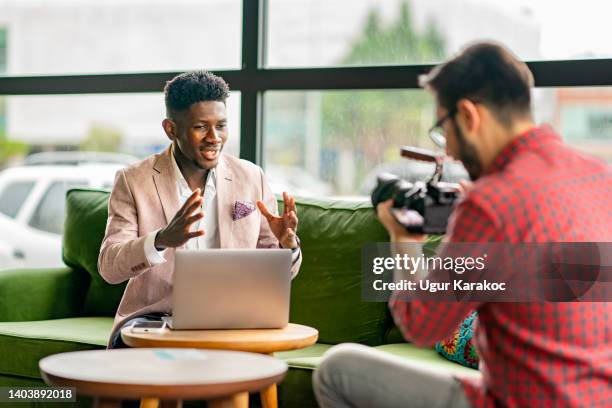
(231, 289)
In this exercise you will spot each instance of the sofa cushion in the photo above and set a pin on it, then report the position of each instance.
(23, 344)
(86, 214)
(310, 357)
(42, 293)
(427, 356)
(296, 389)
(327, 292)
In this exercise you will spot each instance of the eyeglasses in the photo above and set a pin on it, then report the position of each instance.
(437, 132)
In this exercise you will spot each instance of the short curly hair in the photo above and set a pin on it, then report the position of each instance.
(188, 88)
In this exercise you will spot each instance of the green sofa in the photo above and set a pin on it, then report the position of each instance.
(47, 311)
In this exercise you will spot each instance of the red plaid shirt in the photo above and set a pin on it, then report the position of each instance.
(532, 354)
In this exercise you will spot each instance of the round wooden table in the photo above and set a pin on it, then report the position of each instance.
(224, 378)
(264, 341)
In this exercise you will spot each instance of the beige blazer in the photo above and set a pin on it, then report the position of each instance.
(145, 198)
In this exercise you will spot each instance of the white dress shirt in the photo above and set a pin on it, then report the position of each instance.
(209, 223)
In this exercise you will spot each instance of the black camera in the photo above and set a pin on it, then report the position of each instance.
(421, 207)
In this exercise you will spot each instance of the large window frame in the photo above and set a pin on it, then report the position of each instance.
(253, 79)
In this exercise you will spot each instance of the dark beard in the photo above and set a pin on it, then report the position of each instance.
(468, 154)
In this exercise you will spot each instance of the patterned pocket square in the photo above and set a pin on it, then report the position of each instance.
(242, 209)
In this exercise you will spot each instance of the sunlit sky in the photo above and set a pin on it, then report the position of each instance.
(569, 28)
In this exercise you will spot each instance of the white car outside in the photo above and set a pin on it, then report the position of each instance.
(32, 204)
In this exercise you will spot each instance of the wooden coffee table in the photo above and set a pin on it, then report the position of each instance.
(224, 378)
(264, 341)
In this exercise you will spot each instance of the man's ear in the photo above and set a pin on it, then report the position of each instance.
(469, 115)
(170, 128)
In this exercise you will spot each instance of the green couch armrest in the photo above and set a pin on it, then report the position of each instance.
(41, 294)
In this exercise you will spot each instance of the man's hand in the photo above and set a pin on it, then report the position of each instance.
(177, 231)
(397, 231)
(285, 226)
(464, 187)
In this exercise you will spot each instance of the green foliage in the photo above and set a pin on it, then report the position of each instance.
(399, 43)
(10, 149)
(373, 124)
(101, 138)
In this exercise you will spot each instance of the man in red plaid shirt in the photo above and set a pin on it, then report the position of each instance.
(528, 187)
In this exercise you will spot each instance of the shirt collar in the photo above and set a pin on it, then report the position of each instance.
(211, 178)
(531, 139)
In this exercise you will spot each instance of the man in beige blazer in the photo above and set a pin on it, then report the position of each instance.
(191, 195)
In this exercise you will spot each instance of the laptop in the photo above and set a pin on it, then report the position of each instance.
(231, 289)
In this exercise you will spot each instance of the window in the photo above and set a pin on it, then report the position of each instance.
(371, 32)
(335, 143)
(583, 116)
(126, 123)
(313, 133)
(13, 196)
(3, 57)
(76, 36)
(3, 49)
(49, 214)
(2, 119)
(346, 32)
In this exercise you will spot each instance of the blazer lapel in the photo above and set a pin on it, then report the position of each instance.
(165, 183)
(226, 197)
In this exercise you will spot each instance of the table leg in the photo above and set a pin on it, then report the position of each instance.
(235, 401)
(149, 403)
(101, 402)
(269, 397)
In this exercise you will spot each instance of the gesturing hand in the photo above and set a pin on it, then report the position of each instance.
(177, 231)
(285, 226)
